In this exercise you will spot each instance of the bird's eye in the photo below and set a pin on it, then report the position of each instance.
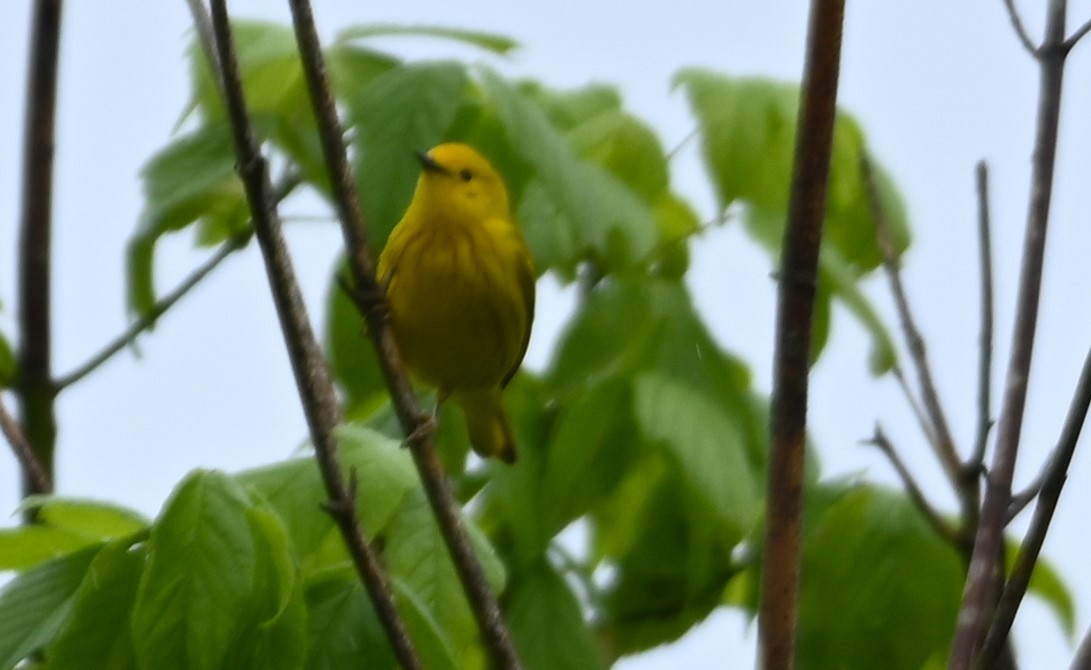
(465, 174)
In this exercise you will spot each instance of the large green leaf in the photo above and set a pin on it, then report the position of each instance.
(406, 109)
(200, 577)
(98, 636)
(547, 622)
(344, 631)
(572, 210)
(704, 445)
(748, 130)
(27, 546)
(893, 584)
(35, 606)
(94, 518)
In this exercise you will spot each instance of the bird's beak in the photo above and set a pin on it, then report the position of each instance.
(429, 164)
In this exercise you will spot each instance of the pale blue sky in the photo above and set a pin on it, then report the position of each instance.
(936, 85)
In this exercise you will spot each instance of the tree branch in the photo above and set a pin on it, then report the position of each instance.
(779, 606)
(940, 525)
(1080, 33)
(1020, 28)
(985, 340)
(419, 430)
(940, 435)
(976, 607)
(140, 325)
(24, 453)
(1082, 660)
(1052, 481)
(311, 374)
(34, 388)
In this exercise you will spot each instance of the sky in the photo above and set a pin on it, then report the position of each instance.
(936, 86)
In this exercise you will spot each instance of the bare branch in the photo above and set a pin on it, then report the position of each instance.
(414, 422)
(24, 453)
(1020, 28)
(316, 391)
(940, 434)
(36, 398)
(145, 321)
(1052, 481)
(914, 404)
(940, 525)
(1080, 33)
(985, 340)
(779, 607)
(1082, 660)
(976, 609)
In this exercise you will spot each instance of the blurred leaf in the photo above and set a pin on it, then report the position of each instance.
(344, 631)
(572, 209)
(352, 68)
(97, 634)
(627, 148)
(498, 44)
(200, 577)
(547, 622)
(192, 179)
(93, 518)
(429, 636)
(1046, 584)
(351, 354)
(404, 110)
(567, 109)
(7, 364)
(748, 139)
(36, 605)
(28, 546)
(906, 584)
(705, 447)
(274, 632)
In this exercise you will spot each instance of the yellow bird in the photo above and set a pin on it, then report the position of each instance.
(460, 285)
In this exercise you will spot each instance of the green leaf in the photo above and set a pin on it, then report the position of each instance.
(705, 447)
(572, 209)
(498, 44)
(192, 179)
(875, 540)
(429, 637)
(35, 606)
(93, 518)
(200, 577)
(344, 631)
(352, 356)
(28, 546)
(627, 148)
(404, 110)
(1046, 584)
(567, 109)
(97, 636)
(547, 622)
(274, 634)
(7, 364)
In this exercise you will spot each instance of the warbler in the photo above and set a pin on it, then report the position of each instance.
(460, 288)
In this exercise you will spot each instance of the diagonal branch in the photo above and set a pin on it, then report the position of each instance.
(779, 607)
(24, 453)
(1082, 660)
(419, 430)
(940, 525)
(976, 608)
(145, 321)
(1020, 28)
(940, 436)
(1080, 33)
(1053, 479)
(985, 341)
(36, 398)
(311, 374)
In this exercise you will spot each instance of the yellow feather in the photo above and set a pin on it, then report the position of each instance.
(460, 285)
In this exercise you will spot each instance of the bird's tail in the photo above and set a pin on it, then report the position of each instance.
(487, 423)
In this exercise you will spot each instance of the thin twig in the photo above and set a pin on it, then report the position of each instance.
(1052, 478)
(312, 377)
(779, 607)
(145, 321)
(1019, 501)
(976, 609)
(1082, 660)
(1020, 28)
(940, 525)
(985, 340)
(420, 431)
(914, 404)
(36, 398)
(940, 435)
(1080, 33)
(24, 453)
